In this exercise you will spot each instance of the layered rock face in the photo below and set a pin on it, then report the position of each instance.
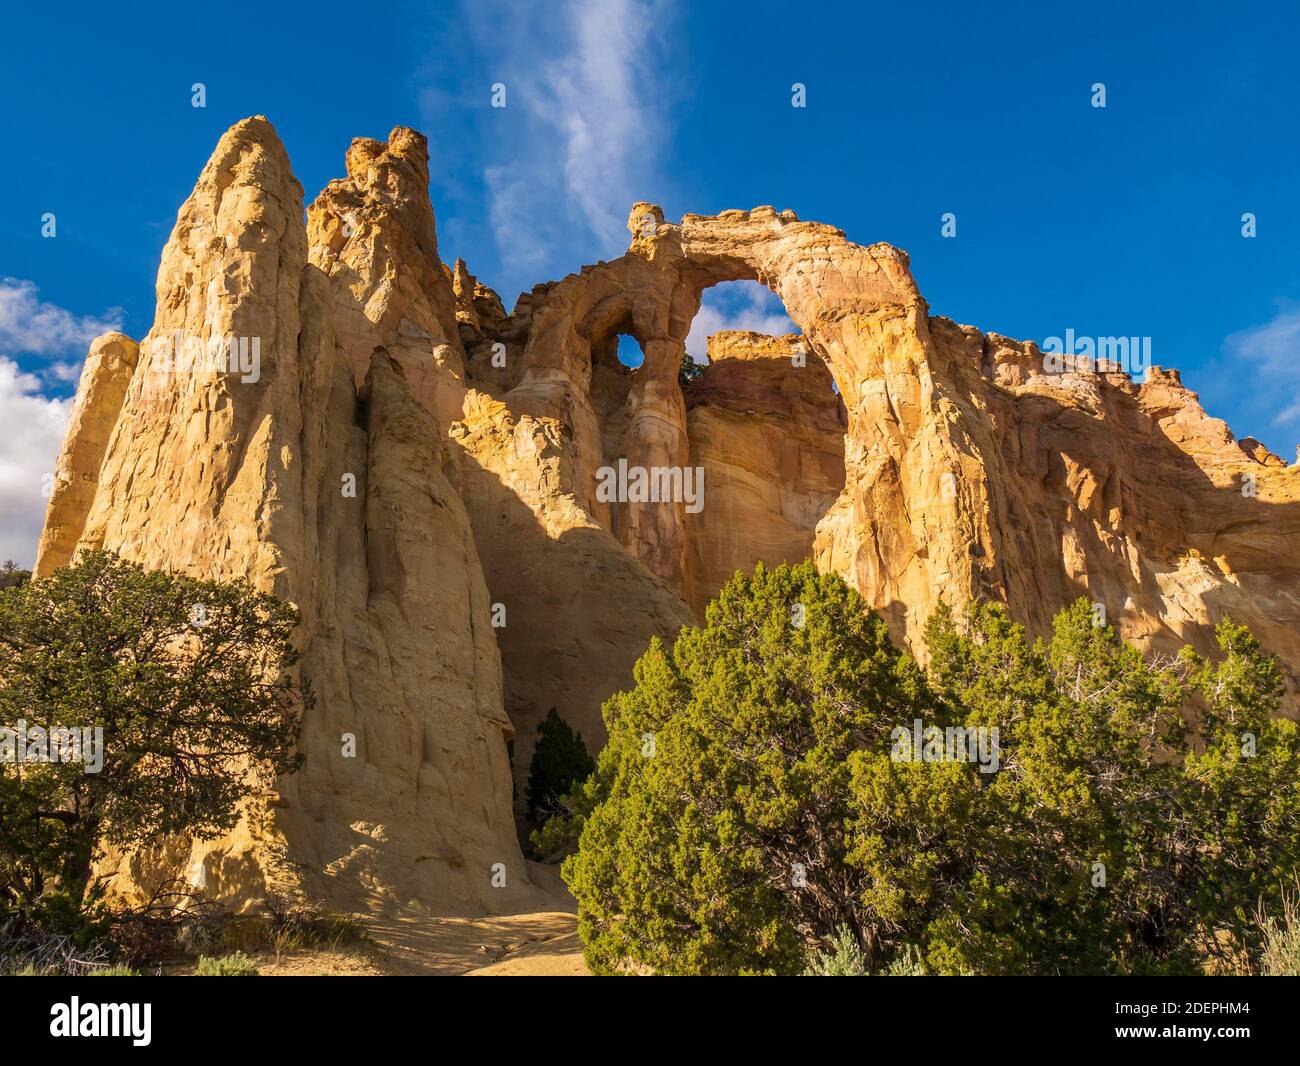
(105, 376)
(426, 476)
(1130, 494)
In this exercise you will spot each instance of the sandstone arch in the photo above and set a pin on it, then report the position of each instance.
(958, 468)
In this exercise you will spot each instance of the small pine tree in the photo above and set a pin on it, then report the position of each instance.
(560, 761)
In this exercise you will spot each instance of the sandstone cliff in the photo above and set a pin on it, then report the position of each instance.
(417, 470)
(336, 499)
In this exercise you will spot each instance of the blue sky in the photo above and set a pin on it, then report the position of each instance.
(1117, 221)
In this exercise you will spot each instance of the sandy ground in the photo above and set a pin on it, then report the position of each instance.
(543, 943)
(539, 944)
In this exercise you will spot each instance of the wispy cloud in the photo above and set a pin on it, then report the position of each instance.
(63, 371)
(1271, 354)
(601, 98)
(30, 326)
(737, 305)
(513, 213)
(33, 433)
(580, 138)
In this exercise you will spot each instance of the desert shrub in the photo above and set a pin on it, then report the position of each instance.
(843, 957)
(908, 963)
(42, 954)
(1279, 951)
(758, 793)
(56, 934)
(116, 970)
(294, 923)
(236, 965)
(176, 924)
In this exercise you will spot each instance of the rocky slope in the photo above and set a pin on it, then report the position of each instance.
(420, 472)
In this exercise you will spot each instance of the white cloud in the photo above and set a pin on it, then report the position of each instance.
(63, 371)
(31, 433)
(513, 215)
(28, 325)
(1273, 349)
(578, 141)
(32, 424)
(736, 305)
(601, 99)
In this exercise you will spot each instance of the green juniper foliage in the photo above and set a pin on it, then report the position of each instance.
(750, 808)
(190, 682)
(686, 860)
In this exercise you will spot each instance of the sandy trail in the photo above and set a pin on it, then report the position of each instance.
(535, 944)
(541, 943)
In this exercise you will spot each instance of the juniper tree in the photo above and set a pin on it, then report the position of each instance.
(750, 806)
(718, 832)
(192, 685)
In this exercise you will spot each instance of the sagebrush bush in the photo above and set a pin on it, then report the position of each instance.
(843, 958)
(236, 965)
(1279, 954)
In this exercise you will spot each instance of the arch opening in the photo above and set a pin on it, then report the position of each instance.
(629, 351)
(617, 358)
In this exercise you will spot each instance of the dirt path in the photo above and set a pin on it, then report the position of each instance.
(513, 945)
(540, 943)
